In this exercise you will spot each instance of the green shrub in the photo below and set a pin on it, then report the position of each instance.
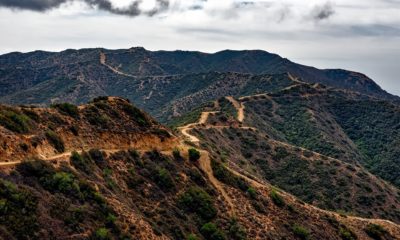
(347, 234)
(36, 168)
(375, 231)
(97, 156)
(177, 154)
(74, 129)
(194, 155)
(236, 231)
(99, 99)
(102, 234)
(55, 141)
(164, 179)
(15, 121)
(18, 210)
(211, 232)
(192, 237)
(108, 177)
(137, 115)
(64, 182)
(198, 201)
(24, 147)
(72, 216)
(252, 192)
(277, 199)
(227, 177)
(301, 232)
(67, 109)
(80, 162)
(280, 153)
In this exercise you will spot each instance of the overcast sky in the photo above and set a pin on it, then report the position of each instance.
(360, 35)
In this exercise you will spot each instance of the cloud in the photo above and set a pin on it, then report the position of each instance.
(44, 5)
(34, 5)
(323, 12)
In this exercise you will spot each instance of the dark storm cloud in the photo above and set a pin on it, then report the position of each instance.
(105, 5)
(323, 12)
(34, 5)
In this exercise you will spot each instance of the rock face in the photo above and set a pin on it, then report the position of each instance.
(158, 80)
(106, 170)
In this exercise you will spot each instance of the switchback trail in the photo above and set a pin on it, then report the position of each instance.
(205, 162)
(185, 129)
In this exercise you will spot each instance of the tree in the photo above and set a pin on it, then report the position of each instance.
(194, 155)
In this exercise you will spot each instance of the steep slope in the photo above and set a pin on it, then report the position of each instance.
(169, 192)
(292, 140)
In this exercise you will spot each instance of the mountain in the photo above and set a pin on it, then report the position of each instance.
(255, 147)
(107, 170)
(325, 146)
(166, 84)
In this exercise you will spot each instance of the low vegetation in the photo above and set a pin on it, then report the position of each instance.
(194, 154)
(55, 140)
(198, 201)
(67, 109)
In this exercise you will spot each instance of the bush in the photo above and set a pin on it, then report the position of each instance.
(277, 199)
(102, 234)
(194, 155)
(347, 234)
(18, 211)
(177, 154)
(64, 182)
(375, 231)
(252, 192)
(80, 162)
(236, 231)
(15, 121)
(67, 109)
(301, 232)
(137, 115)
(164, 179)
(99, 99)
(211, 232)
(280, 153)
(198, 201)
(225, 176)
(192, 237)
(55, 141)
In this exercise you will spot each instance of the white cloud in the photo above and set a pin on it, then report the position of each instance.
(353, 35)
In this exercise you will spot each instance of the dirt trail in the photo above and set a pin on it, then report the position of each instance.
(185, 129)
(239, 108)
(294, 79)
(115, 70)
(205, 165)
(62, 156)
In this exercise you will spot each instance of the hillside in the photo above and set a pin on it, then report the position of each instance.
(165, 84)
(295, 140)
(109, 171)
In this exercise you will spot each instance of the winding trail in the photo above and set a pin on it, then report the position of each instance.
(205, 163)
(203, 120)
